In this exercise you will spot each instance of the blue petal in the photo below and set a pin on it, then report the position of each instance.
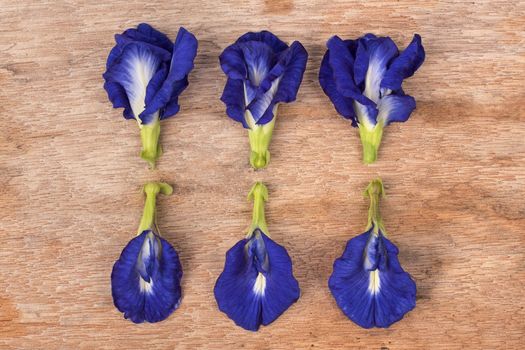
(395, 108)
(141, 301)
(349, 283)
(293, 63)
(133, 71)
(372, 298)
(266, 37)
(259, 58)
(281, 83)
(380, 52)
(397, 294)
(147, 34)
(154, 85)
(341, 61)
(118, 97)
(251, 56)
(236, 292)
(184, 52)
(362, 58)
(233, 98)
(234, 289)
(343, 105)
(172, 107)
(405, 65)
(232, 62)
(137, 36)
(282, 289)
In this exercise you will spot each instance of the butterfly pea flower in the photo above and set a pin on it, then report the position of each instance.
(257, 284)
(145, 74)
(368, 283)
(262, 72)
(145, 281)
(363, 80)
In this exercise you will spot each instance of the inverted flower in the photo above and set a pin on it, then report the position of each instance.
(368, 283)
(257, 284)
(145, 74)
(363, 80)
(262, 72)
(145, 280)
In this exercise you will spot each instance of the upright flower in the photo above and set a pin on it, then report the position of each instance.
(145, 74)
(257, 284)
(262, 72)
(145, 281)
(368, 283)
(363, 80)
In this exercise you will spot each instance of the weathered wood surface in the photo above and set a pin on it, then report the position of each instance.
(70, 176)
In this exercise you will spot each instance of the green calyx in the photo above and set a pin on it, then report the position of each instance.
(149, 217)
(375, 191)
(260, 137)
(258, 194)
(151, 149)
(371, 139)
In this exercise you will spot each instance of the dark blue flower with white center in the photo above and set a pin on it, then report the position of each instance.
(368, 283)
(145, 74)
(145, 280)
(257, 284)
(363, 80)
(262, 72)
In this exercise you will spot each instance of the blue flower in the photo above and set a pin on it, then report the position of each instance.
(368, 283)
(363, 80)
(262, 72)
(145, 74)
(257, 284)
(145, 280)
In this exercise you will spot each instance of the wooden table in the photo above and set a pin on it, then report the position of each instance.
(70, 176)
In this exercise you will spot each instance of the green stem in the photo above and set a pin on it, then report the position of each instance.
(260, 137)
(258, 194)
(151, 149)
(149, 215)
(371, 140)
(375, 191)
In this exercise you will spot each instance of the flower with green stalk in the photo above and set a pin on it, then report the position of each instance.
(145, 281)
(363, 80)
(257, 284)
(262, 72)
(145, 74)
(368, 282)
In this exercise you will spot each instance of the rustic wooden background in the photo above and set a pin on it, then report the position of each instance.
(70, 176)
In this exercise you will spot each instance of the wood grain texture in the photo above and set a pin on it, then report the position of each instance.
(70, 176)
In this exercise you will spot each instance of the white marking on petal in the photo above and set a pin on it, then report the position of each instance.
(250, 120)
(267, 128)
(374, 282)
(145, 250)
(374, 75)
(262, 104)
(384, 106)
(257, 73)
(249, 95)
(145, 287)
(140, 68)
(260, 285)
(362, 116)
